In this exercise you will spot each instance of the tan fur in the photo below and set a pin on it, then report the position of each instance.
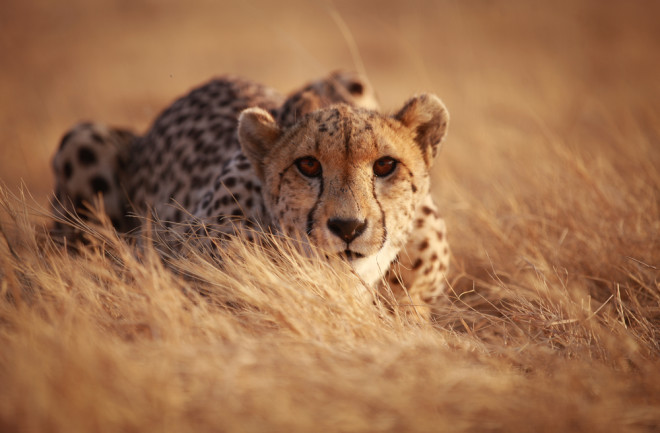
(347, 141)
(202, 165)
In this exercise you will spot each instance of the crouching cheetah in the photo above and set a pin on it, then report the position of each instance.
(322, 163)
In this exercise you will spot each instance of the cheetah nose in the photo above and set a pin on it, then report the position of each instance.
(347, 229)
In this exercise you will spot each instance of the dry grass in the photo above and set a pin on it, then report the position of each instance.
(549, 183)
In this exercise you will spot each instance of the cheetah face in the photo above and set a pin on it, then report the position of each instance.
(348, 178)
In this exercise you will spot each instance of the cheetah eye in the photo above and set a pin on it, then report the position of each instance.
(384, 166)
(308, 166)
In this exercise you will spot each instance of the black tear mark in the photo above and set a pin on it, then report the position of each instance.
(310, 215)
(279, 183)
(382, 214)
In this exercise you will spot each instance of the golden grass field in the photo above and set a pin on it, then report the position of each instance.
(549, 183)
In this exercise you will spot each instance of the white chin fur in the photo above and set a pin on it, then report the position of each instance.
(371, 269)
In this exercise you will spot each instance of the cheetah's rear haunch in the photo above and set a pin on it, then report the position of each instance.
(322, 163)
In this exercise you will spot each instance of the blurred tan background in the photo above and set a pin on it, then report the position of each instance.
(514, 74)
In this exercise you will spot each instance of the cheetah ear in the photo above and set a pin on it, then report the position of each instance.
(257, 133)
(427, 117)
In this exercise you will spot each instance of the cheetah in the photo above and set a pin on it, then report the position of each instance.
(322, 163)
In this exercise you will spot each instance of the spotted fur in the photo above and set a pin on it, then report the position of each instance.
(322, 163)
(90, 172)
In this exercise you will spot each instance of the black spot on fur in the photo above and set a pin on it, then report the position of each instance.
(86, 156)
(100, 184)
(195, 134)
(356, 88)
(176, 189)
(119, 161)
(116, 223)
(206, 200)
(78, 202)
(68, 170)
(160, 129)
(196, 182)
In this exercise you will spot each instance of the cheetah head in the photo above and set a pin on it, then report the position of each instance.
(349, 178)
(339, 87)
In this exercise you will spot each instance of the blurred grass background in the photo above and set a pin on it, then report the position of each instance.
(509, 71)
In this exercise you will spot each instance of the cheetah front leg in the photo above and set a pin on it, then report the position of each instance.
(417, 278)
(89, 164)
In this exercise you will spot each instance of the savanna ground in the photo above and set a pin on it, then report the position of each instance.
(549, 182)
